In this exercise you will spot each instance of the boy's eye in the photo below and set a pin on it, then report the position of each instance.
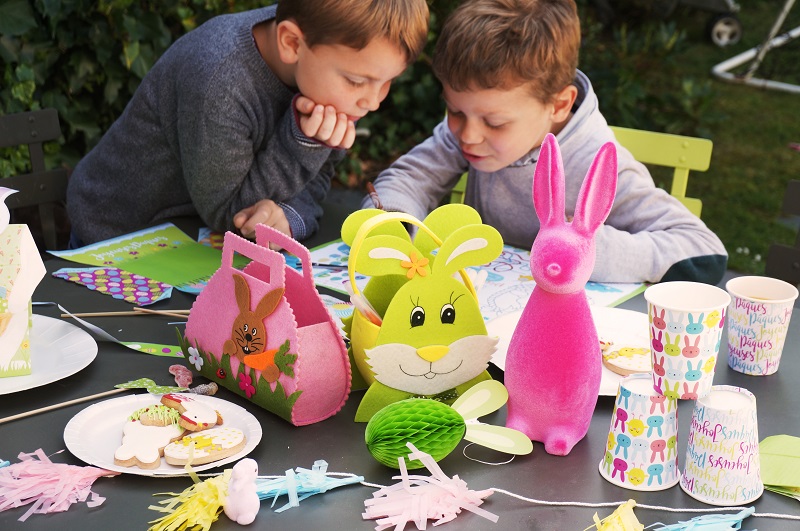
(494, 126)
(354, 83)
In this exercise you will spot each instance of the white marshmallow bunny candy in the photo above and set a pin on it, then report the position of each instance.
(553, 365)
(242, 502)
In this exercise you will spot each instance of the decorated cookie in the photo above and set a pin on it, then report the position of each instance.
(194, 415)
(206, 446)
(628, 360)
(143, 445)
(156, 415)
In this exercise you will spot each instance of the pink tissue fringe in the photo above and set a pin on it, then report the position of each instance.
(49, 487)
(420, 498)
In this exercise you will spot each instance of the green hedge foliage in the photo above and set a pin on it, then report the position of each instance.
(86, 58)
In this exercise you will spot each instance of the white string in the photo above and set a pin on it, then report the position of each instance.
(464, 451)
(643, 506)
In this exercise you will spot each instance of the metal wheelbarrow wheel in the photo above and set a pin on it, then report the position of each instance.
(724, 29)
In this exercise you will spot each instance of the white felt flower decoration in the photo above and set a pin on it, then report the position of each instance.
(195, 358)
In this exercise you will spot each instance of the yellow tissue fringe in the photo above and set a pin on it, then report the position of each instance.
(622, 519)
(197, 507)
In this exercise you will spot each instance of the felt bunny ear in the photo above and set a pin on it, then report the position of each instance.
(385, 254)
(598, 191)
(471, 245)
(443, 221)
(548, 183)
(355, 220)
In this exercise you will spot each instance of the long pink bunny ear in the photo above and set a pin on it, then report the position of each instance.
(548, 183)
(598, 191)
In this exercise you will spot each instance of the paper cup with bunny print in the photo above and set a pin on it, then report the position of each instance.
(722, 465)
(686, 321)
(641, 453)
(758, 320)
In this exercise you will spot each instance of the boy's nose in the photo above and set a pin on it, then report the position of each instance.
(469, 133)
(376, 94)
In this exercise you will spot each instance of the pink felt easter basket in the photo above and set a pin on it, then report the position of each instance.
(265, 334)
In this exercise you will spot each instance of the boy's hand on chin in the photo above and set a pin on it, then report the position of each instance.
(324, 124)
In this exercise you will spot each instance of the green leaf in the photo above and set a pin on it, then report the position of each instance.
(16, 17)
(285, 361)
(130, 53)
(24, 91)
(9, 49)
(24, 73)
(111, 90)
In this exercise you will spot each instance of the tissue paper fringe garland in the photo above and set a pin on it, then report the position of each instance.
(200, 505)
(197, 506)
(418, 498)
(623, 519)
(300, 484)
(49, 487)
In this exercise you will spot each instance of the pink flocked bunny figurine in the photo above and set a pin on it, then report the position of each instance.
(553, 365)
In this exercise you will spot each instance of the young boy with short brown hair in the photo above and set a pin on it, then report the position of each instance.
(509, 76)
(243, 119)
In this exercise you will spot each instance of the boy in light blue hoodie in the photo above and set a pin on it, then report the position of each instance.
(509, 75)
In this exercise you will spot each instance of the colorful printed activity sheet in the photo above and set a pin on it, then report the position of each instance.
(506, 290)
(163, 253)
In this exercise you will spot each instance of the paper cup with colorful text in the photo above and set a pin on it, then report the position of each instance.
(758, 319)
(641, 452)
(722, 462)
(686, 321)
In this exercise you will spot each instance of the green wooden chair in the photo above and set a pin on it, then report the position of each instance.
(683, 153)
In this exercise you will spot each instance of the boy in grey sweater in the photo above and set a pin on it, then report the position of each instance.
(509, 75)
(243, 119)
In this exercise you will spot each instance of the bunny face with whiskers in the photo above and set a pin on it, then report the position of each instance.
(248, 333)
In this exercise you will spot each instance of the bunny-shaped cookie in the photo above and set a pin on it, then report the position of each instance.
(553, 365)
(248, 334)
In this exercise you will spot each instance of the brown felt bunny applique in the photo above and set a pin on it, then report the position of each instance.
(249, 335)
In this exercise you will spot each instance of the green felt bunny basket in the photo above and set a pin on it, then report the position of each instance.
(417, 328)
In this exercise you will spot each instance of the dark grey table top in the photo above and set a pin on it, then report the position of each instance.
(340, 442)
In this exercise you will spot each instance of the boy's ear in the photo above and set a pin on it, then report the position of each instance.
(563, 102)
(289, 37)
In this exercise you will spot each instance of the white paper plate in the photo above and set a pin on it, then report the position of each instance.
(94, 434)
(58, 349)
(625, 328)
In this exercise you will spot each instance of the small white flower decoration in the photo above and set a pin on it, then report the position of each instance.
(195, 358)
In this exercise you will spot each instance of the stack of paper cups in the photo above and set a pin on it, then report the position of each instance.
(641, 453)
(722, 461)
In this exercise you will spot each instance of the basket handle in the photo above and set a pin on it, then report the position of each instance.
(251, 250)
(266, 234)
(382, 219)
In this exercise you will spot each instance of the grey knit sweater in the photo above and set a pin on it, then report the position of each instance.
(649, 235)
(209, 131)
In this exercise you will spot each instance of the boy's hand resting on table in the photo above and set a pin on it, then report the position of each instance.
(266, 212)
(324, 124)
